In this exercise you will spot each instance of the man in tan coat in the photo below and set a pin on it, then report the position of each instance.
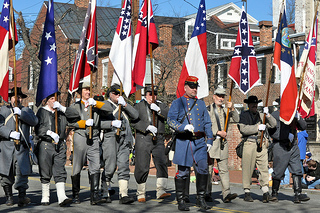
(219, 149)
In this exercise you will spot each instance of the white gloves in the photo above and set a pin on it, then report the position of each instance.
(92, 102)
(266, 110)
(154, 107)
(15, 135)
(54, 136)
(262, 127)
(16, 111)
(89, 122)
(208, 147)
(152, 129)
(189, 128)
(116, 123)
(57, 105)
(121, 101)
(291, 137)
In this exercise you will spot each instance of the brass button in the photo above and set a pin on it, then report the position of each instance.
(190, 119)
(198, 124)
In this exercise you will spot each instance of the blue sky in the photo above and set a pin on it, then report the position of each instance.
(259, 9)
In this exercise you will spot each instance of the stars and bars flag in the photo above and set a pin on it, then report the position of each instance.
(284, 63)
(87, 54)
(309, 56)
(146, 35)
(121, 49)
(244, 68)
(195, 63)
(6, 32)
(48, 81)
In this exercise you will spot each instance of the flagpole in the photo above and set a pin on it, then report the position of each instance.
(119, 111)
(269, 83)
(227, 116)
(56, 115)
(305, 63)
(16, 142)
(90, 107)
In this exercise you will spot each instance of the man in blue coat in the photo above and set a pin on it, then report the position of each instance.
(190, 119)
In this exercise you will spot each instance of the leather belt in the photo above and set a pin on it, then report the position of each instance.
(190, 136)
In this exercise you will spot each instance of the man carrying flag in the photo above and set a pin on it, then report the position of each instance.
(52, 145)
(121, 49)
(6, 31)
(195, 63)
(146, 35)
(286, 152)
(306, 67)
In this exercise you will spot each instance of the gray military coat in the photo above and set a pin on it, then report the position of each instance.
(7, 147)
(215, 151)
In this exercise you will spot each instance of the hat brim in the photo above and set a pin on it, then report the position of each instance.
(21, 94)
(248, 102)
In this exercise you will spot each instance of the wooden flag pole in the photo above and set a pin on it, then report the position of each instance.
(268, 88)
(90, 107)
(16, 142)
(227, 116)
(56, 115)
(119, 111)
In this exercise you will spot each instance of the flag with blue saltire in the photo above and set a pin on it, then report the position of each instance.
(48, 81)
(87, 54)
(244, 68)
(121, 49)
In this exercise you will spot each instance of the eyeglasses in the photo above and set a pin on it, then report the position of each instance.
(115, 93)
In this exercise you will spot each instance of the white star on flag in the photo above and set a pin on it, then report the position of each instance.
(244, 41)
(48, 35)
(244, 61)
(5, 19)
(243, 21)
(244, 81)
(237, 51)
(48, 60)
(244, 31)
(53, 47)
(244, 71)
(6, 5)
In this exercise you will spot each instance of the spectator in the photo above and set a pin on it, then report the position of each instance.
(312, 175)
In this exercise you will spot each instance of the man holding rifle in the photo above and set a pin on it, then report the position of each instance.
(189, 117)
(219, 149)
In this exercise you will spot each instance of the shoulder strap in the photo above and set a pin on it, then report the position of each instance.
(217, 116)
(8, 118)
(184, 117)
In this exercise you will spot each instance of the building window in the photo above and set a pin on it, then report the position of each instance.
(10, 74)
(190, 31)
(262, 69)
(30, 74)
(227, 44)
(220, 75)
(229, 14)
(156, 70)
(105, 63)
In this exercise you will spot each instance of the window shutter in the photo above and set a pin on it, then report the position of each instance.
(216, 72)
(263, 70)
(225, 75)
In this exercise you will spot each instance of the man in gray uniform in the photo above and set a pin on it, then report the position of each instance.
(85, 148)
(219, 149)
(146, 144)
(116, 148)
(15, 161)
(52, 148)
(251, 126)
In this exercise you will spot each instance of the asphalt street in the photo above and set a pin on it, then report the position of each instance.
(153, 205)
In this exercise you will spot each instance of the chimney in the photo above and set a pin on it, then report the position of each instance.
(165, 34)
(81, 3)
(265, 33)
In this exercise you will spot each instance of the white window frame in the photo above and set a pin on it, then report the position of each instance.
(220, 75)
(187, 34)
(10, 74)
(105, 69)
(229, 47)
(156, 70)
(259, 57)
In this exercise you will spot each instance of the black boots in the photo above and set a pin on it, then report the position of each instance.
(186, 190)
(75, 188)
(297, 188)
(95, 197)
(201, 185)
(23, 200)
(180, 190)
(275, 189)
(8, 192)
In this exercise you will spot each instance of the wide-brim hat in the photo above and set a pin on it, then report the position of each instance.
(192, 81)
(19, 92)
(114, 88)
(49, 96)
(252, 99)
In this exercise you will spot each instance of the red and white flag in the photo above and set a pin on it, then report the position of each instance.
(309, 56)
(284, 63)
(244, 68)
(87, 54)
(121, 49)
(195, 63)
(6, 31)
(146, 35)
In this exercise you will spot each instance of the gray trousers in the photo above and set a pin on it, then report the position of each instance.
(21, 180)
(52, 162)
(83, 152)
(224, 176)
(283, 158)
(115, 154)
(144, 147)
